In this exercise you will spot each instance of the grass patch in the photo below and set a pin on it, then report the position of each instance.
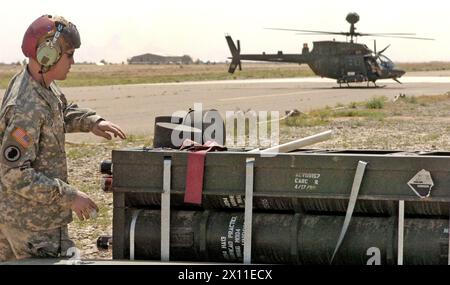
(424, 66)
(353, 105)
(432, 99)
(432, 137)
(376, 103)
(371, 109)
(117, 74)
(137, 139)
(305, 121)
(377, 109)
(411, 100)
(4, 79)
(373, 114)
(99, 79)
(78, 151)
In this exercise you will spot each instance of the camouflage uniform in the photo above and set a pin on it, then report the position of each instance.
(35, 196)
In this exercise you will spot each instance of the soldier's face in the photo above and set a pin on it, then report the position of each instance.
(62, 67)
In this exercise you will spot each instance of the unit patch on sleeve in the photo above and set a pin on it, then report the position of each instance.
(12, 153)
(22, 137)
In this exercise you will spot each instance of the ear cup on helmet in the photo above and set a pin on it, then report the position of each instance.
(48, 53)
(39, 44)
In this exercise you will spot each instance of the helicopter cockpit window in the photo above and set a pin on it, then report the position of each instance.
(385, 62)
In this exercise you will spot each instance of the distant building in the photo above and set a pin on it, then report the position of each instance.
(149, 58)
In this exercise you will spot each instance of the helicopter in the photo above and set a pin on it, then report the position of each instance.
(347, 62)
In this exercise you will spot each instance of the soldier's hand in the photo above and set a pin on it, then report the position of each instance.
(83, 206)
(104, 128)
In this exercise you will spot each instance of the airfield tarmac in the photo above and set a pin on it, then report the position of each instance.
(134, 107)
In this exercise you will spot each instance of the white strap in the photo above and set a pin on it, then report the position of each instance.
(248, 214)
(132, 232)
(165, 211)
(351, 204)
(401, 229)
(448, 253)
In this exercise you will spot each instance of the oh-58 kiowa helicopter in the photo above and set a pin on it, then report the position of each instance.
(346, 62)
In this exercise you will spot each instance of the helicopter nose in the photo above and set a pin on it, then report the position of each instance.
(397, 73)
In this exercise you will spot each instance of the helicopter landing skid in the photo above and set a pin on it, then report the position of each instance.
(358, 87)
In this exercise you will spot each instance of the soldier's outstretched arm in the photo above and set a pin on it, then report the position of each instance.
(78, 119)
(105, 128)
(85, 120)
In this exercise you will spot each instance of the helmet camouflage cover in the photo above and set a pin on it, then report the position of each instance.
(44, 28)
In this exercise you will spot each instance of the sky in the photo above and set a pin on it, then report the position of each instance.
(116, 30)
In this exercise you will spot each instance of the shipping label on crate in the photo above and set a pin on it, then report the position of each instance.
(306, 181)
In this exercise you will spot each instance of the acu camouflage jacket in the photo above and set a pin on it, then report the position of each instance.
(34, 191)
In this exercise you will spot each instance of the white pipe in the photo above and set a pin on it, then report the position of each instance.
(293, 145)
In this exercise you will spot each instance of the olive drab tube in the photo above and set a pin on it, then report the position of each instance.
(290, 238)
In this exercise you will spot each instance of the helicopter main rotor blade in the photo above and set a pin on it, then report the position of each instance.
(309, 31)
(343, 33)
(311, 34)
(387, 34)
(409, 38)
(354, 34)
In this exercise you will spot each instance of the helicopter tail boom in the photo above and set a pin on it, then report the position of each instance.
(235, 53)
(278, 57)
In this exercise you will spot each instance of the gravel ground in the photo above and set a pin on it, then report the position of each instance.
(84, 172)
(408, 124)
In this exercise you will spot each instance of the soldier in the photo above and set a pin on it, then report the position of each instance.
(36, 201)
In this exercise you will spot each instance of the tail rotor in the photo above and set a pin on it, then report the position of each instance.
(235, 53)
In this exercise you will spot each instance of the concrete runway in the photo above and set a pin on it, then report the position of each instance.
(134, 107)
